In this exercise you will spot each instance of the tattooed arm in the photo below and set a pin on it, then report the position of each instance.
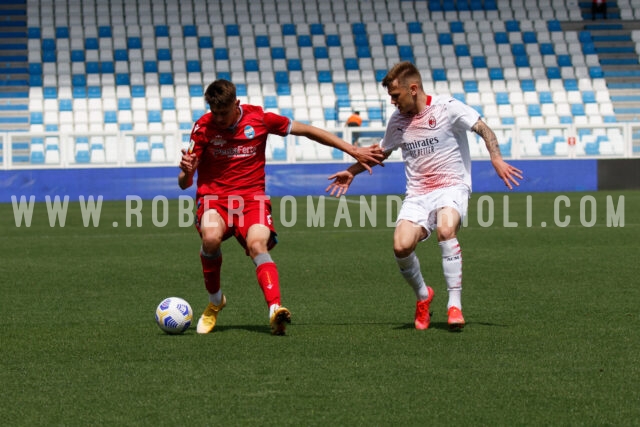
(505, 171)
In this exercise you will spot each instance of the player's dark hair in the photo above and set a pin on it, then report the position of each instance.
(219, 94)
(405, 72)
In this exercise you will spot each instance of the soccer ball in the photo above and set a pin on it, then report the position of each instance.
(174, 315)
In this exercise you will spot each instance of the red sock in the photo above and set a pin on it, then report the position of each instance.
(268, 280)
(211, 272)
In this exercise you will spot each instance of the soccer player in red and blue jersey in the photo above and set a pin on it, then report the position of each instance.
(227, 151)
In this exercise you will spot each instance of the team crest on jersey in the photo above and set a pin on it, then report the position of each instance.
(249, 132)
(432, 122)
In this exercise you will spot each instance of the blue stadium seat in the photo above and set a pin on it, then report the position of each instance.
(316, 29)
(553, 73)
(500, 37)
(118, 55)
(138, 91)
(304, 41)
(406, 53)
(294, 64)
(320, 52)
(553, 25)
(262, 41)
(189, 31)
(278, 53)
(333, 40)
(154, 116)
(205, 42)
(527, 85)
(439, 74)
(534, 110)
(196, 91)
(50, 93)
(445, 38)
(77, 55)
(462, 50)
(358, 28)
(220, 53)
(122, 79)
(414, 27)
(512, 26)
(324, 76)
(479, 62)
(330, 113)
(110, 117)
(570, 85)
(577, 109)
(165, 78)
(596, 72)
(251, 65)
(547, 49)
(168, 103)
(36, 118)
(281, 77)
(389, 40)
(363, 52)
(564, 61)
(289, 30)
(232, 30)
(521, 61)
(589, 97)
(283, 89)
(456, 27)
(270, 101)
(150, 67)
(496, 74)
(161, 31)
(164, 54)
(124, 104)
(470, 86)
(79, 91)
(134, 43)
(529, 37)
(94, 92)
(241, 89)
(358, 40)
(502, 98)
(65, 105)
(351, 64)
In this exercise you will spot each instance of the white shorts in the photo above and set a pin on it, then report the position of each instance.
(423, 210)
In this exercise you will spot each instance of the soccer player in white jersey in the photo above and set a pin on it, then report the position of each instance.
(432, 134)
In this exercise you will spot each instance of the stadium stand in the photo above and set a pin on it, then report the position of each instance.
(93, 83)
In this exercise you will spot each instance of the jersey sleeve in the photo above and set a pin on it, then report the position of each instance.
(461, 114)
(196, 144)
(277, 124)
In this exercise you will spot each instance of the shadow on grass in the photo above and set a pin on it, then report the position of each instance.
(445, 326)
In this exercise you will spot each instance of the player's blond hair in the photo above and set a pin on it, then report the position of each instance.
(405, 73)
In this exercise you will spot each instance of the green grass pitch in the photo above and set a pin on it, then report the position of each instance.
(552, 336)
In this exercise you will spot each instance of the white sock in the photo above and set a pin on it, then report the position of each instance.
(272, 308)
(452, 267)
(410, 270)
(216, 299)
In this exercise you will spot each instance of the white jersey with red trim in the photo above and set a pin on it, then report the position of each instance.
(434, 144)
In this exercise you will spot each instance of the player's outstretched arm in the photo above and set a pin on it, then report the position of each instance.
(188, 164)
(505, 171)
(365, 156)
(342, 180)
